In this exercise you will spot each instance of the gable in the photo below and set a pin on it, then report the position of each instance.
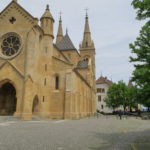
(5, 67)
(58, 54)
(13, 11)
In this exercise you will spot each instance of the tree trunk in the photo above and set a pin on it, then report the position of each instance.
(130, 109)
(124, 107)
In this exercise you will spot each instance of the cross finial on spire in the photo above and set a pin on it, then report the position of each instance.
(47, 7)
(66, 30)
(60, 13)
(86, 10)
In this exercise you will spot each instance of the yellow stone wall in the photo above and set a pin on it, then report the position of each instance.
(32, 72)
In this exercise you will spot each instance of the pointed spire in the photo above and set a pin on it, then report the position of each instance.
(47, 13)
(15, 1)
(87, 41)
(66, 43)
(66, 31)
(60, 31)
(47, 7)
(87, 27)
(47, 22)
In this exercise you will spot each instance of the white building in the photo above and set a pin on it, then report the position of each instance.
(102, 85)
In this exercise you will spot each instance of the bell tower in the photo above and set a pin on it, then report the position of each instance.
(87, 47)
(87, 52)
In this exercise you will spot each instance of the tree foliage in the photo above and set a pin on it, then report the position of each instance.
(132, 96)
(141, 74)
(143, 8)
(119, 94)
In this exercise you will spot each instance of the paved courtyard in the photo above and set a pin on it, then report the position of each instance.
(87, 134)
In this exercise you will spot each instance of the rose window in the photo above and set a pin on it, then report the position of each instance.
(10, 45)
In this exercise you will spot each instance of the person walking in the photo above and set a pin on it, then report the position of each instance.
(120, 114)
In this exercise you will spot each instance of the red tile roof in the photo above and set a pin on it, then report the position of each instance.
(102, 80)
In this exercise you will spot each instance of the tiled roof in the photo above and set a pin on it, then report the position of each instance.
(102, 80)
(82, 64)
(66, 43)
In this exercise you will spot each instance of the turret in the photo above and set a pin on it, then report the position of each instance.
(60, 32)
(47, 22)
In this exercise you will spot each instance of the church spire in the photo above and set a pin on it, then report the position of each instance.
(60, 31)
(87, 41)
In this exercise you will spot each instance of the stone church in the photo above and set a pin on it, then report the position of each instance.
(40, 77)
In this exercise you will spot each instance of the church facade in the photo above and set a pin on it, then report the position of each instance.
(40, 77)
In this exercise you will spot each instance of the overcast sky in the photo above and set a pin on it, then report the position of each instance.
(113, 27)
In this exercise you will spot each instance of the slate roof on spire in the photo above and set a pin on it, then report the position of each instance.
(66, 43)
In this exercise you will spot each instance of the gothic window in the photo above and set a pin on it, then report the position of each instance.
(45, 67)
(57, 82)
(45, 81)
(86, 59)
(10, 44)
(102, 106)
(43, 98)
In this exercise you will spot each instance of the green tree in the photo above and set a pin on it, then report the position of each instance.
(141, 74)
(132, 96)
(112, 100)
(143, 8)
(117, 95)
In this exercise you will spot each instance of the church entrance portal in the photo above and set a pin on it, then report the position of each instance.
(7, 99)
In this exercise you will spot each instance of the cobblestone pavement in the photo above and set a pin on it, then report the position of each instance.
(86, 134)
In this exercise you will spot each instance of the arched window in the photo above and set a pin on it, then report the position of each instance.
(57, 82)
(86, 59)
